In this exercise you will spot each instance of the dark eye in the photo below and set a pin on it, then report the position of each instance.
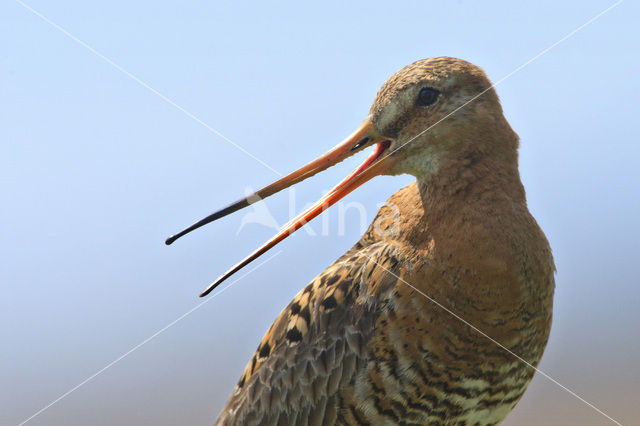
(428, 96)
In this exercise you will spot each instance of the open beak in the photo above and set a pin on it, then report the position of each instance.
(375, 164)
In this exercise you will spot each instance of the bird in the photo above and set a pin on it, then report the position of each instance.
(441, 312)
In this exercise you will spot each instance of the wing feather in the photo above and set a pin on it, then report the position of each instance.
(316, 346)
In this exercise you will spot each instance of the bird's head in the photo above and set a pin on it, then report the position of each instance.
(426, 118)
(437, 112)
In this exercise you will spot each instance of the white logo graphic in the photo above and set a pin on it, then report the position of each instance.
(260, 214)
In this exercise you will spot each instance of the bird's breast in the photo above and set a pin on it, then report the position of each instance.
(429, 364)
(451, 316)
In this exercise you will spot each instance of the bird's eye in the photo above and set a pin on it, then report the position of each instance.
(428, 96)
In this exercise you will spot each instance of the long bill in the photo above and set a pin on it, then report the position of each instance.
(375, 164)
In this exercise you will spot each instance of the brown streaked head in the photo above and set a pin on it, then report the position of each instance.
(438, 110)
(425, 117)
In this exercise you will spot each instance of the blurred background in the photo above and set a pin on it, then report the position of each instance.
(97, 169)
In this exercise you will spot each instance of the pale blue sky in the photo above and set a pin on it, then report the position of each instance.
(96, 170)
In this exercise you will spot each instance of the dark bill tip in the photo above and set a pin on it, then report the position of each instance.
(171, 239)
(214, 216)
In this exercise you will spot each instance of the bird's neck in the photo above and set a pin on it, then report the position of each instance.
(481, 184)
(473, 214)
